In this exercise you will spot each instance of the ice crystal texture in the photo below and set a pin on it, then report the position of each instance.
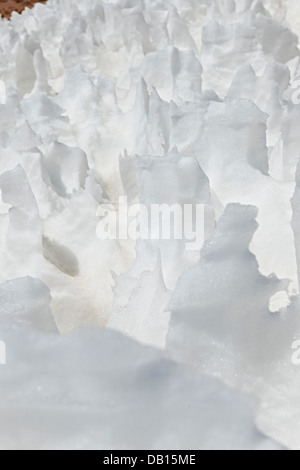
(122, 344)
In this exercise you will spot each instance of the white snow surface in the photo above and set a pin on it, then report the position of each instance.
(145, 345)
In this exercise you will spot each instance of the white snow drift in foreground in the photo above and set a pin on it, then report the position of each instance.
(165, 102)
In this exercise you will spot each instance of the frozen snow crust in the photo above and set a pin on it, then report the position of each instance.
(163, 102)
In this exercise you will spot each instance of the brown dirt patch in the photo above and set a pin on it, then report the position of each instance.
(8, 6)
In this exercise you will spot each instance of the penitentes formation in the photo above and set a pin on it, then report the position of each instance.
(140, 343)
